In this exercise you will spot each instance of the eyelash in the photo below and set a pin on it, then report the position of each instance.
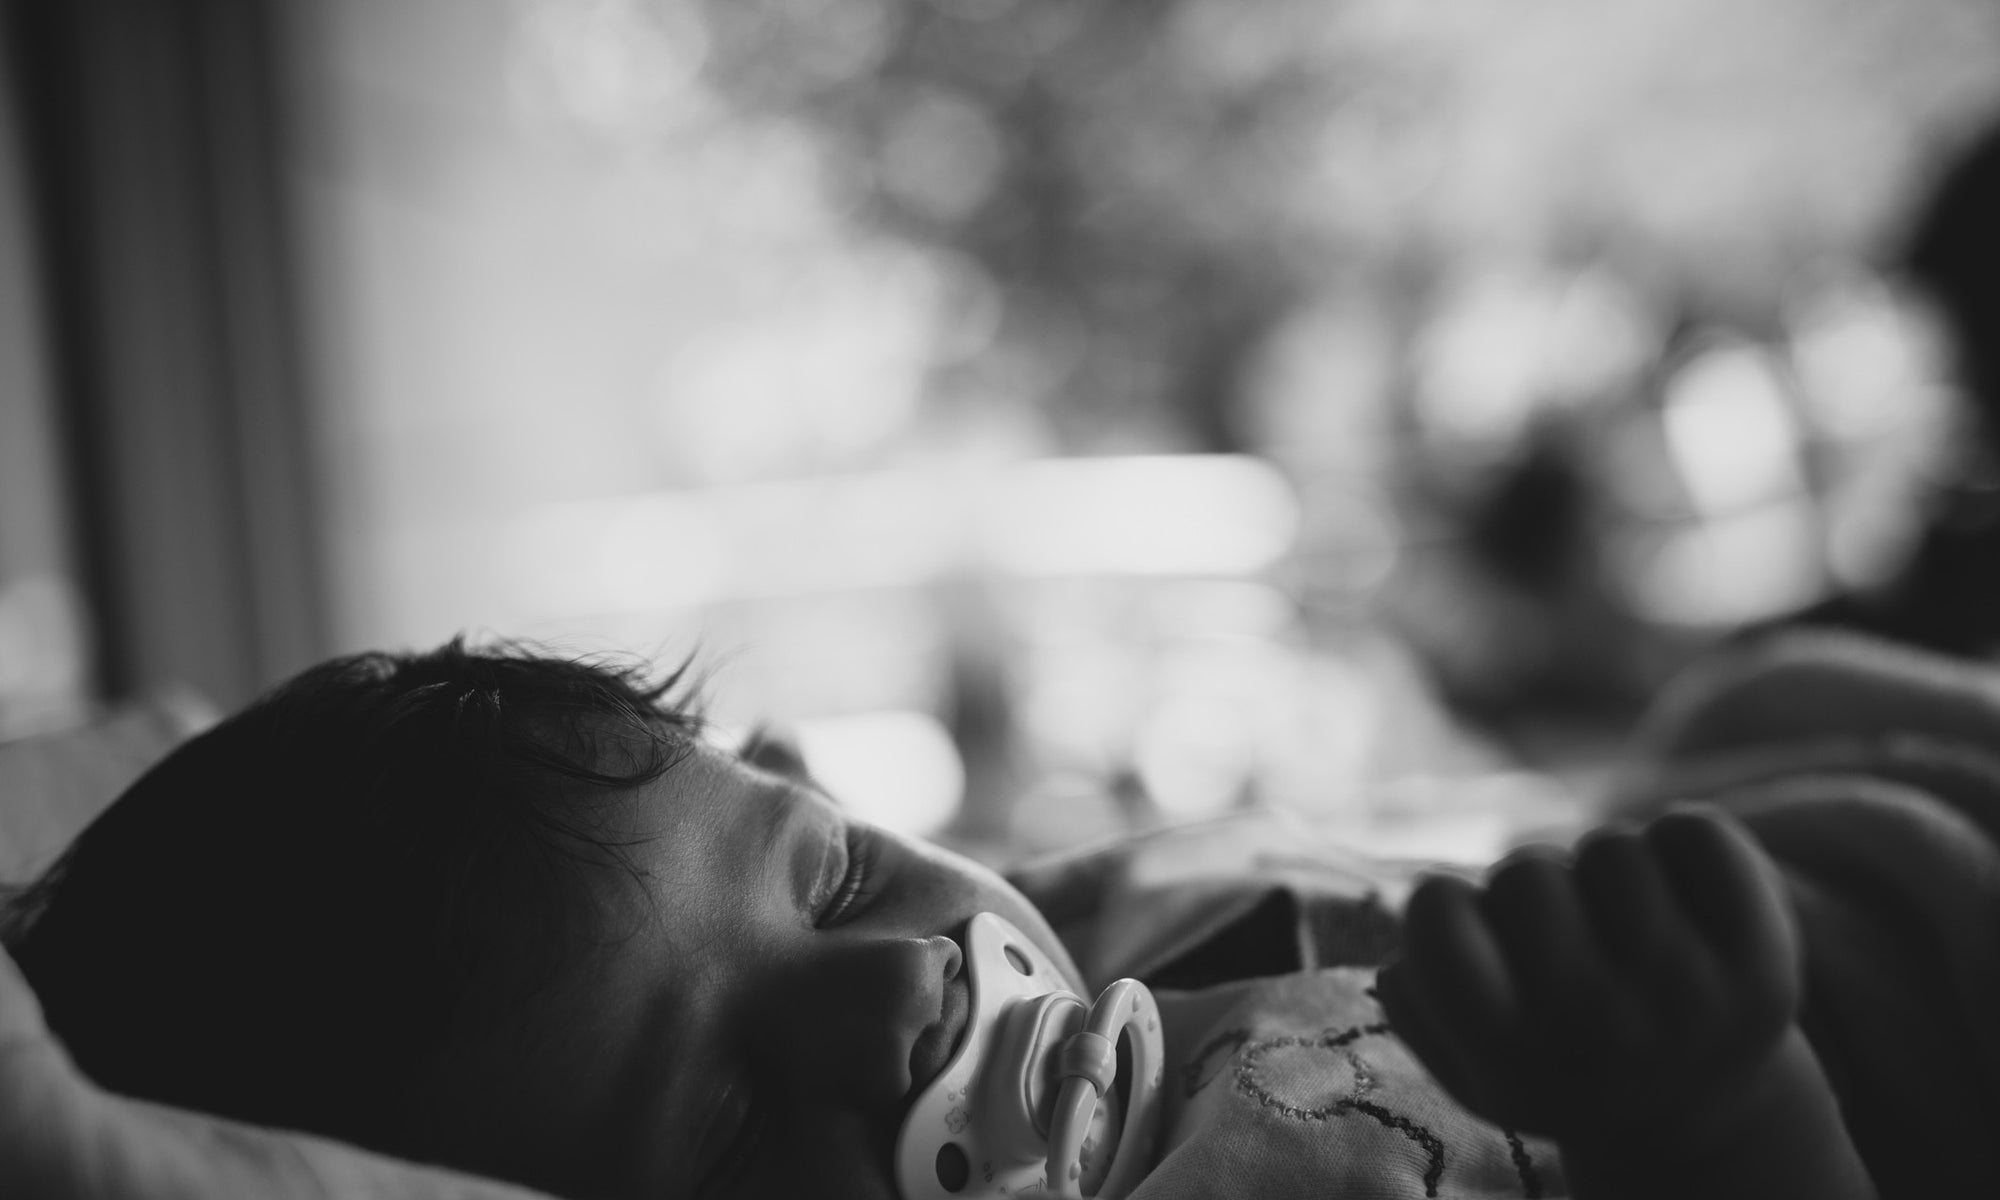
(856, 886)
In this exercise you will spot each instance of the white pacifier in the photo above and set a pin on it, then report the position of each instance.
(1026, 1104)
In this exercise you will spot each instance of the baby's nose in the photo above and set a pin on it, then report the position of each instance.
(871, 1013)
(951, 959)
(931, 1047)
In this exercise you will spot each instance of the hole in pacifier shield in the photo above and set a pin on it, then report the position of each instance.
(1018, 960)
(953, 1168)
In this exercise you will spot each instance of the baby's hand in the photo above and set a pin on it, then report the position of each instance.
(1623, 994)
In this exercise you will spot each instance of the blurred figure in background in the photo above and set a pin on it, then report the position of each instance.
(1947, 596)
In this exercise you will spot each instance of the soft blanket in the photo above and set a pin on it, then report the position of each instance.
(1871, 774)
(1260, 937)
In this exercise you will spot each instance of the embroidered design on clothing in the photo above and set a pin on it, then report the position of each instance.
(1248, 1081)
(1524, 1166)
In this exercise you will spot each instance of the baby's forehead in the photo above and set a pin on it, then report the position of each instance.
(621, 744)
(707, 820)
(697, 848)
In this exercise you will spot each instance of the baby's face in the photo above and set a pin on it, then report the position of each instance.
(761, 1025)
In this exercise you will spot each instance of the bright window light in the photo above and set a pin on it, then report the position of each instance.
(1191, 515)
(1731, 432)
(1145, 515)
(1480, 362)
(1740, 568)
(897, 769)
(1866, 361)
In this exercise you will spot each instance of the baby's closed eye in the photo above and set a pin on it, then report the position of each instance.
(854, 881)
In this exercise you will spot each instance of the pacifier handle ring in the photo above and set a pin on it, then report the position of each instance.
(1087, 1067)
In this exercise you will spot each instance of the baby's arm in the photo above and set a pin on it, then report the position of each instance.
(1637, 1004)
(1817, 686)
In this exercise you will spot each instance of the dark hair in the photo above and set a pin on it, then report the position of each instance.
(298, 909)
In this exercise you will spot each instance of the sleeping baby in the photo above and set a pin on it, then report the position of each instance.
(516, 915)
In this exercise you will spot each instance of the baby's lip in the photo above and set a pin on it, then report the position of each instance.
(935, 1046)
